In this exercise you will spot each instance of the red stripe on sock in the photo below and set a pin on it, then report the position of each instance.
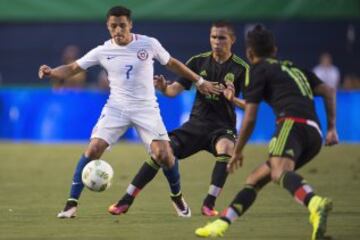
(136, 192)
(301, 193)
(224, 212)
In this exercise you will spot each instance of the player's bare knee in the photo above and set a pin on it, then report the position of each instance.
(224, 146)
(276, 174)
(169, 162)
(95, 150)
(163, 157)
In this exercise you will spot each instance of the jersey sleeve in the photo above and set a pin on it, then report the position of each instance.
(254, 91)
(312, 78)
(160, 53)
(183, 81)
(89, 59)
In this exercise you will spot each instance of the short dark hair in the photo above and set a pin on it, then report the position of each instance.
(261, 41)
(119, 11)
(224, 23)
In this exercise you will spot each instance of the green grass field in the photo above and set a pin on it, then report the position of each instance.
(35, 180)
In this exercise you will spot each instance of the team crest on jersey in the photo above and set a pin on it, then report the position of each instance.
(142, 54)
(229, 77)
(203, 73)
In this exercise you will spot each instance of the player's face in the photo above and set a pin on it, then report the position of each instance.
(221, 40)
(120, 29)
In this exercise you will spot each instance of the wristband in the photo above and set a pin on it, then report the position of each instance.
(199, 82)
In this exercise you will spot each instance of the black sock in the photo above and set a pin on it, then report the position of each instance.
(297, 186)
(70, 203)
(245, 198)
(243, 201)
(218, 179)
(146, 173)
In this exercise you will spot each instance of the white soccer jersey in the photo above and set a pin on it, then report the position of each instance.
(130, 69)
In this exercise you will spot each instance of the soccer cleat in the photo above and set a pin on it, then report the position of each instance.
(209, 212)
(319, 211)
(216, 228)
(181, 207)
(69, 210)
(118, 209)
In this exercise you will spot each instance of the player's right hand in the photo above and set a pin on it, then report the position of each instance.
(44, 71)
(208, 87)
(235, 162)
(229, 91)
(332, 137)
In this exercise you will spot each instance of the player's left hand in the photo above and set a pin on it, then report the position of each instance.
(229, 91)
(160, 82)
(332, 137)
(235, 162)
(208, 87)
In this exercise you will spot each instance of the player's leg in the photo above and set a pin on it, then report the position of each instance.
(173, 176)
(178, 201)
(146, 173)
(285, 149)
(153, 134)
(247, 196)
(224, 147)
(241, 203)
(94, 151)
(161, 155)
(181, 150)
(319, 207)
(283, 172)
(111, 125)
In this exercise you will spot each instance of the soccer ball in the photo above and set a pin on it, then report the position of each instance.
(97, 175)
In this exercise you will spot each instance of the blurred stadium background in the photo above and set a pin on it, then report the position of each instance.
(35, 177)
(34, 32)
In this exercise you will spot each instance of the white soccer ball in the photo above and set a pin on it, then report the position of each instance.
(97, 175)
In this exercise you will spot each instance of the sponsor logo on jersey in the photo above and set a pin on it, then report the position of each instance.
(142, 54)
(110, 57)
(229, 77)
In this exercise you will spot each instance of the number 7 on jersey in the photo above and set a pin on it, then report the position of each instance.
(129, 69)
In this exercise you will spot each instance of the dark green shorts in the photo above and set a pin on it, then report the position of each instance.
(194, 136)
(297, 141)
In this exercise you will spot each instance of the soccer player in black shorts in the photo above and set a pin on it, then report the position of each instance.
(211, 126)
(289, 91)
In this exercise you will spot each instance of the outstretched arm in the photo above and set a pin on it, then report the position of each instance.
(329, 95)
(202, 85)
(61, 72)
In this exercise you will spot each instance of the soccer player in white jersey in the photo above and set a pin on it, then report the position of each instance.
(128, 60)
